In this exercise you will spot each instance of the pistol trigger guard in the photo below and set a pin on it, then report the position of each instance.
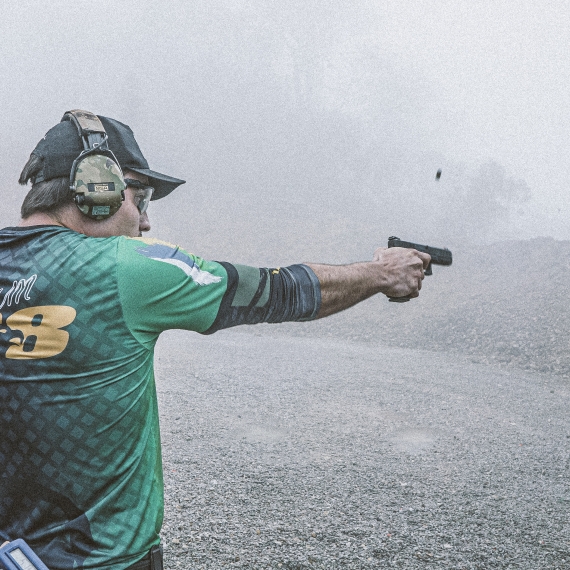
(428, 270)
(398, 299)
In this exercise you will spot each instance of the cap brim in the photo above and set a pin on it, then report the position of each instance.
(163, 185)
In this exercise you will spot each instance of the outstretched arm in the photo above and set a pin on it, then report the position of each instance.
(396, 272)
(175, 289)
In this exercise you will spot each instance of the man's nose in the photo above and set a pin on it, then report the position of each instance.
(144, 223)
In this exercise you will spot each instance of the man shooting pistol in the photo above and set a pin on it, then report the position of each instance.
(84, 300)
(438, 256)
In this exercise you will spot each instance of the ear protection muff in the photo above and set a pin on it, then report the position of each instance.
(96, 178)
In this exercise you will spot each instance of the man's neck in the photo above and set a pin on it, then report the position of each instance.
(40, 219)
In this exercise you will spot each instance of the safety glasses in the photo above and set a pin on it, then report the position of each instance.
(143, 193)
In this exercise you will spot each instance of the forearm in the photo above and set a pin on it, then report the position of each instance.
(396, 272)
(343, 286)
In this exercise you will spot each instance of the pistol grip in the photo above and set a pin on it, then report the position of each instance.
(398, 299)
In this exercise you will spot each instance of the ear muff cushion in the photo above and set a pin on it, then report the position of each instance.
(99, 186)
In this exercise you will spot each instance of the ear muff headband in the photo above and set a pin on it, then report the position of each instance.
(96, 178)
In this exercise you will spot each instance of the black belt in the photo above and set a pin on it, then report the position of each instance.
(152, 561)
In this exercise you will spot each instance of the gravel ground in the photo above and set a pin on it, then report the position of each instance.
(292, 452)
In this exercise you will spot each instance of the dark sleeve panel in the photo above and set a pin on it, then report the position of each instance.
(267, 296)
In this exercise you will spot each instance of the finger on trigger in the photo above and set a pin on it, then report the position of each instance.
(425, 257)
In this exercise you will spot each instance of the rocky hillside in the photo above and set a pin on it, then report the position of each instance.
(506, 303)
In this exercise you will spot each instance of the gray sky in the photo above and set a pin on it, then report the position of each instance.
(292, 117)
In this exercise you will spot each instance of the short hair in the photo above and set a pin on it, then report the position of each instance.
(48, 196)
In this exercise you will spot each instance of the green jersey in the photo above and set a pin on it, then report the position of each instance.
(80, 463)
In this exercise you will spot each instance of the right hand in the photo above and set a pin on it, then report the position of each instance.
(401, 270)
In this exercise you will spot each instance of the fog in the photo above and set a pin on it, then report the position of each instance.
(309, 128)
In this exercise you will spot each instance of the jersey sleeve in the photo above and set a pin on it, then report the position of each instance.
(267, 295)
(164, 287)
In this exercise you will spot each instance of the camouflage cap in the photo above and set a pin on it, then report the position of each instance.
(62, 145)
